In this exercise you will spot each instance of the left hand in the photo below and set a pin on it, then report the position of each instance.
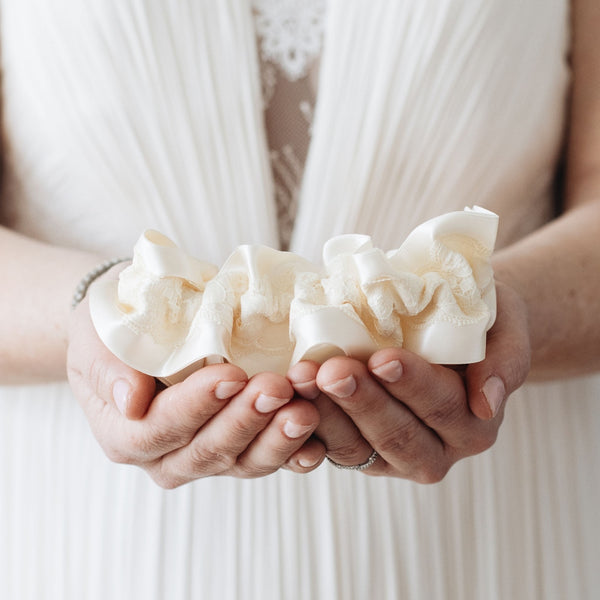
(419, 417)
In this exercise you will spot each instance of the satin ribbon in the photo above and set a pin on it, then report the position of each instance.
(170, 314)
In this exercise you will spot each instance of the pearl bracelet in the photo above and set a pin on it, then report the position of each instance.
(84, 284)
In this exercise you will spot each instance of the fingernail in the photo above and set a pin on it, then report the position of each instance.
(121, 394)
(390, 371)
(266, 404)
(342, 388)
(494, 392)
(226, 389)
(308, 462)
(307, 389)
(293, 430)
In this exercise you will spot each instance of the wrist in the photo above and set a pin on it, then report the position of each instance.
(94, 274)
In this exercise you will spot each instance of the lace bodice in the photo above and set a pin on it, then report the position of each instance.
(289, 37)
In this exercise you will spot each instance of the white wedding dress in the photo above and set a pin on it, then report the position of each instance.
(121, 116)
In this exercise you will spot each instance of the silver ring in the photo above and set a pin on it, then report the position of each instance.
(360, 467)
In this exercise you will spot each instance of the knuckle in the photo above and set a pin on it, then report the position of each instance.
(167, 482)
(400, 440)
(253, 470)
(145, 443)
(432, 472)
(238, 432)
(164, 480)
(137, 446)
(481, 441)
(446, 413)
(118, 455)
(205, 458)
(348, 452)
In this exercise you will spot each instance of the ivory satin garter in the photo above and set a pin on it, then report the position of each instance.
(264, 310)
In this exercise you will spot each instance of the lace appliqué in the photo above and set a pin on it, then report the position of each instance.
(289, 37)
(290, 33)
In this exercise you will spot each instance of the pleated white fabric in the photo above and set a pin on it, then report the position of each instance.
(122, 116)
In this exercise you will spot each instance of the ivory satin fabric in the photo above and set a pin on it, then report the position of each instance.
(169, 313)
(112, 126)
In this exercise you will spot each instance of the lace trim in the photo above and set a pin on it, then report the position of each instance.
(291, 33)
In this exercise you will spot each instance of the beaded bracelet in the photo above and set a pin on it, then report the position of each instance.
(84, 284)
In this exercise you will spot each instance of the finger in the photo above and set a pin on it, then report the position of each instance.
(99, 376)
(308, 457)
(188, 405)
(284, 436)
(342, 439)
(507, 360)
(214, 448)
(303, 376)
(435, 394)
(174, 416)
(393, 430)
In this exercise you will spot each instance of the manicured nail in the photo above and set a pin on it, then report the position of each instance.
(494, 392)
(307, 389)
(121, 394)
(342, 388)
(390, 371)
(226, 389)
(293, 430)
(266, 404)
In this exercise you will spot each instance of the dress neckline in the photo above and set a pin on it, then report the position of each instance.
(289, 38)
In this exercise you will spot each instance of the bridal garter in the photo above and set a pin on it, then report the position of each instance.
(264, 310)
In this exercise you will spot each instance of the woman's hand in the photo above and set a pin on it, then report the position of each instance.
(215, 422)
(420, 418)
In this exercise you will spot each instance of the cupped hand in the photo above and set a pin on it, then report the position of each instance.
(419, 418)
(215, 422)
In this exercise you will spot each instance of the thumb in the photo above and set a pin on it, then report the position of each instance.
(508, 357)
(131, 391)
(94, 371)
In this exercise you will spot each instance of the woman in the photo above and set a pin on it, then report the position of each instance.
(121, 117)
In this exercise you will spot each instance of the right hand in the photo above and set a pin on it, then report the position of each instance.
(215, 422)
(420, 418)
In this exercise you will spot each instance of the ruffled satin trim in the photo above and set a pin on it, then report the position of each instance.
(170, 314)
